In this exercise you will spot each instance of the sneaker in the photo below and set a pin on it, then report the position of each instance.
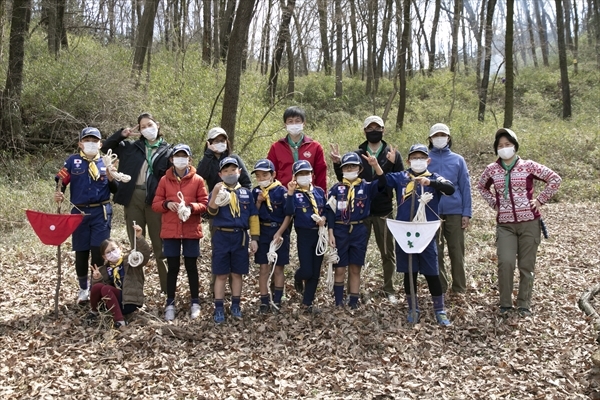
(312, 310)
(219, 315)
(354, 306)
(84, 296)
(263, 309)
(299, 286)
(236, 311)
(392, 299)
(276, 309)
(195, 311)
(416, 319)
(525, 312)
(442, 318)
(505, 310)
(170, 313)
(119, 325)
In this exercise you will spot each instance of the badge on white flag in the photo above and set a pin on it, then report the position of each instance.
(413, 237)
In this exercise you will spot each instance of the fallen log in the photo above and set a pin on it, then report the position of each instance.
(585, 303)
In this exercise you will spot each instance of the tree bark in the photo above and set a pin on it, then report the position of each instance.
(508, 65)
(206, 32)
(238, 39)
(530, 32)
(489, 33)
(144, 37)
(265, 46)
(353, 28)
(226, 24)
(322, 9)
(542, 30)
(402, 65)
(338, 48)
(562, 59)
(282, 37)
(455, 26)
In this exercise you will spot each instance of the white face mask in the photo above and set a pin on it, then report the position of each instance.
(350, 175)
(264, 184)
(150, 133)
(304, 181)
(418, 166)
(114, 255)
(90, 148)
(439, 142)
(220, 147)
(180, 162)
(506, 153)
(294, 129)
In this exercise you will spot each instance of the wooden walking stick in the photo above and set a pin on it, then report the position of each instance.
(413, 296)
(59, 260)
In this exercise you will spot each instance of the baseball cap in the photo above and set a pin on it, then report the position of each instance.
(264, 165)
(182, 147)
(226, 161)
(418, 148)
(89, 131)
(216, 131)
(301, 165)
(439, 128)
(509, 134)
(371, 119)
(351, 158)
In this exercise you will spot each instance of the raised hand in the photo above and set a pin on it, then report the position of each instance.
(391, 154)
(96, 275)
(131, 132)
(370, 159)
(335, 154)
(137, 229)
(292, 185)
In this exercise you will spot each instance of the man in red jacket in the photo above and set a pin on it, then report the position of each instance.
(297, 146)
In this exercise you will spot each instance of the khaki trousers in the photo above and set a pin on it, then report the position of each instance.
(452, 235)
(387, 248)
(517, 245)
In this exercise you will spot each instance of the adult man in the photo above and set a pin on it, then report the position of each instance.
(381, 205)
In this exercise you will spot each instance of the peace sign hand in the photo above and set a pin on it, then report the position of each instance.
(96, 275)
(335, 154)
(391, 154)
(370, 159)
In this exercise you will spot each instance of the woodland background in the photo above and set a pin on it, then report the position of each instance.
(531, 65)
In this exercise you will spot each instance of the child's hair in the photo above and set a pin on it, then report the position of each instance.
(150, 117)
(105, 244)
(294, 111)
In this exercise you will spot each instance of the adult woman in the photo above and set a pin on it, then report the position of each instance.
(146, 160)
(217, 148)
(518, 229)
(454, 210)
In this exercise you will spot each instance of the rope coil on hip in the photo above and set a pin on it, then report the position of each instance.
(331, 258)
(135, 257)
(323, 237)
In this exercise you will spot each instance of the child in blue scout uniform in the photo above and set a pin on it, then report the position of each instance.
(408, 186)
(348, 205)
(233, 213)
(303, 201)
(91, 187)
(269, 197)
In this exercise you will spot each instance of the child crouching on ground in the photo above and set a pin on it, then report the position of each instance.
(118, 283)
(269, 197)
(233, 213)
(408, 186)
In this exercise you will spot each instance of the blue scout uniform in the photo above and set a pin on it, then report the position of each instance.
(91, 194)
(230, 238)
(407, 195)
(271, 215)
(300, 207)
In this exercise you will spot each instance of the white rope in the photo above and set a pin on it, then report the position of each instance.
(323, 236)
(109, 159)
(135, 257)
(272, 258)
(425, 198)
(183, 211)
(222, 198)
(331, 258)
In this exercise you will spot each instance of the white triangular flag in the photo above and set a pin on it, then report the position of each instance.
(413, 237)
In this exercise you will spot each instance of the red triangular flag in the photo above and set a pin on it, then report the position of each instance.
(53, 229)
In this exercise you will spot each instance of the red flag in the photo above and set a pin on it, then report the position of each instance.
(53, 229)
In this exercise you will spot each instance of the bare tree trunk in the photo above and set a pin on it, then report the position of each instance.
(530, 32)
(480, 48)
(322, 9)
(596, 18)
(432, 38)
(291, 87)
(489, 33)
(338, 48)
(282, 38)
(144, 37)
(11, 116)
(385, 33)
(508, 57)
(562, 59)
(238, 39)
(455, 26)
(301, 47)
(465, 41)
(353, 28)
(216, 44)
(265, 46)
(226, 24)
(206, 32)
(402, 65)
(575, 38)
(542, 30)
(371, 45)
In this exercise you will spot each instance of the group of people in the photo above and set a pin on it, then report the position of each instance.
(166, 199)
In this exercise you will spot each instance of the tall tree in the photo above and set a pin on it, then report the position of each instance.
(53, 15)
(432, 37)
(144, 36)
(322, 10)
(385, 33)
(540, 17)
(226, 24)
(338, 48)
(489, 34)
(562, 59)
(455, 26)
(402, 56)
(530, 32)
(265, 45)
(508, 65)
(206, 32)
(282, 38)
(595, 11)
(10, 102)
(353, 28)
(235, 53)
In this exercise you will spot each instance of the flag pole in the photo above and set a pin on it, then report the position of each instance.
(413, 297)
(58, 257)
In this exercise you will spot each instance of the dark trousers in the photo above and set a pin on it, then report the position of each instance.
(310, 264)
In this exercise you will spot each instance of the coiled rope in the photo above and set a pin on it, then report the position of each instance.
(222, 198)
(425, 198)
(323, 237)
(109, 159)
(331, 258)
(135, 257)
(272, 258)
(183, 211)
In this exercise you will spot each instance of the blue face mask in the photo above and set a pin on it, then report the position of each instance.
(231, 180)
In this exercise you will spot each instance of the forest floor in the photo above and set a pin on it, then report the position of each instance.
(371, 353)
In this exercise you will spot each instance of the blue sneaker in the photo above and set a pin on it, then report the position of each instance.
(410, 319)
(219, 315)
(236, 311)
(442, 318)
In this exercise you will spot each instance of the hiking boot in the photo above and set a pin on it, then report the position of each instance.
(219, 315)
(416, 319)
(236, 311)
(170, 313)
(299, 286)
(442, 318)
(525, 312)
(263, 309)
(195, 311)
(505, 310)
(84, 296)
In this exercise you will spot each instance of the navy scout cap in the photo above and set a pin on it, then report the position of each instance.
(351, 158)
(182, 147)
(226, 161)
(301, 165)
(264, 165)
(89, 131)
(418, 148)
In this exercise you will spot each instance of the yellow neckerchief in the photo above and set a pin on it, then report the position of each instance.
(234, 205)
(92, 167)
(311, 197)
(411, 185)
(115, 273)
(265, 193)
(351, 185)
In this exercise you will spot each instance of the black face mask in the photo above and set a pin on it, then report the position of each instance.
(374, 136)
